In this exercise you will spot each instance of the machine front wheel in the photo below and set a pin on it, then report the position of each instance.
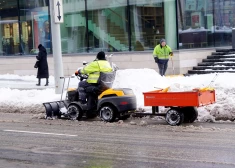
(107, 113)
(74, 112)
(174, 117)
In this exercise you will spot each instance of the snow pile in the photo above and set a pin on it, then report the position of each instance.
(148, 80)
(25, 101)
(139, 80)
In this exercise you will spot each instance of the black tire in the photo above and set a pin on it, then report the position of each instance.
(74, 112)
(190, 114)
(108, 113)
(174, 117)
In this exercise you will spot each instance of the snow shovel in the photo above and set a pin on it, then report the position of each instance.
(173, 70)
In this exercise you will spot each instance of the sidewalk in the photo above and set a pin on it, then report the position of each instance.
(26, 83)
(23, 84)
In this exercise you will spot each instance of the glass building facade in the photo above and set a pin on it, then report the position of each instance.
(205, 23)
(116, 25)
(23, 25)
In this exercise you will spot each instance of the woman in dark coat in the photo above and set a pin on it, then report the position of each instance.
(42, 66)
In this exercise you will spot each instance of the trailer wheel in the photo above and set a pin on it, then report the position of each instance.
(74, 112)
(107, 113)
(190, 114)
(174, 117)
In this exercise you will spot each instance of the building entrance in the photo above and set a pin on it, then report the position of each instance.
(147, 24)
(23, 25)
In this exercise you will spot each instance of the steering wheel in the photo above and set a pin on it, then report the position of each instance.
(82, 76)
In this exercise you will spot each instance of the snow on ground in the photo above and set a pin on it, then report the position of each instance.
(140, 80)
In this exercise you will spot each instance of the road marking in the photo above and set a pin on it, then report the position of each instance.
(43, 133)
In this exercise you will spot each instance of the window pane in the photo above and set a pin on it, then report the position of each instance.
(9, 28)
(34, 26)
(223, 14)
(73, 30)
(205, 23)
(147, 23)
(107, 25)
(193, 31)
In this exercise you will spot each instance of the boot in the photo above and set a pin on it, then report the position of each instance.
(39, 82)
(46, 82)
(82, 95)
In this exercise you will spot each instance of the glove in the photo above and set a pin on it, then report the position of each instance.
(171, 54)
(77, 72)
(156, 59)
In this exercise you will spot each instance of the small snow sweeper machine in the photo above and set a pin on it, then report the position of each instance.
(112, 104)
(182, 105)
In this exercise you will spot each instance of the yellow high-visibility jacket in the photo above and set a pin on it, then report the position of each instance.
(94, 68)
(162, 52)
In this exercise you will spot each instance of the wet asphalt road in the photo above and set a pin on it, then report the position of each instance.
(37, 143)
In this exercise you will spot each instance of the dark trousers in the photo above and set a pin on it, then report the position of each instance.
(39, 81)
(162, 65)
(88, 93)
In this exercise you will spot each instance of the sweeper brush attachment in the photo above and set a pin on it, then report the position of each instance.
(58, 108)
(54, 109)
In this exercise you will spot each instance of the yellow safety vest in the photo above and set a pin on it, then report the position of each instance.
(94, 68)
(162, 52)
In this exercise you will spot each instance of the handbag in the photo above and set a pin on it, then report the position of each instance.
(36, 64)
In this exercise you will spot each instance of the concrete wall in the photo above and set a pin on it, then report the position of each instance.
(183, 61)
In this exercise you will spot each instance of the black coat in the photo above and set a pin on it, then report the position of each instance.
(43, 71)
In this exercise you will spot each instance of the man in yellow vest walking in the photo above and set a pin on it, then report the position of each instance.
(161, 55)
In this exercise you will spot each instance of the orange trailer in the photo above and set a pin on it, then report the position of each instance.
(182, 104)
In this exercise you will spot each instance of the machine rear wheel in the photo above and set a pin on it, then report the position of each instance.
(107, 113)
(74, 112)
(174, 117)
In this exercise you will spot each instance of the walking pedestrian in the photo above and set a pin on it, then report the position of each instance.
(161, 55)
(43, 71)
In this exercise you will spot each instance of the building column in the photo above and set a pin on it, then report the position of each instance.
(170, 23)
(171, 35)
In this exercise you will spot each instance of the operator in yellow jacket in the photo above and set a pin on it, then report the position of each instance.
(161, 55)
(89, 88)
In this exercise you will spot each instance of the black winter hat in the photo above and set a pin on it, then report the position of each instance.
(162, 40)
(101, 56)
